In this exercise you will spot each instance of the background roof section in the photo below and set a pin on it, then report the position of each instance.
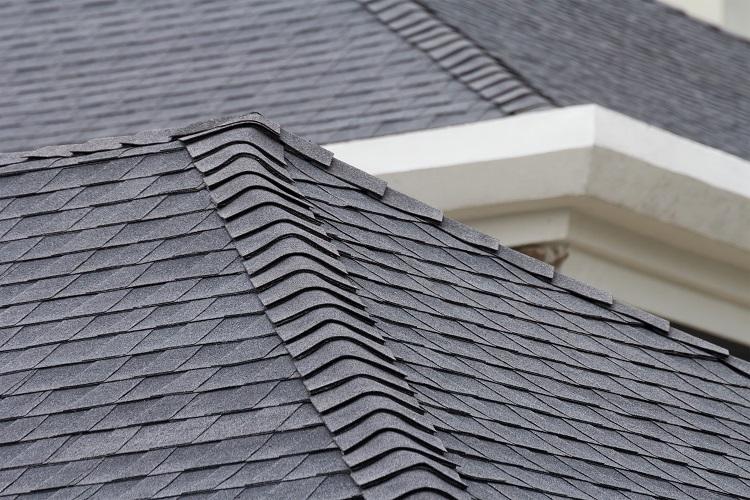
(638, 57)
(328, 69)
(334, 70)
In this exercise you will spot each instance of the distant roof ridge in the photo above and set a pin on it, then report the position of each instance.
(156, 140)
(388, 67)
(456, 53)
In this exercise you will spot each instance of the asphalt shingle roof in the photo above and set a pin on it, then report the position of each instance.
(226, 310)
(329, 69)
(335, 70)
(639, 57)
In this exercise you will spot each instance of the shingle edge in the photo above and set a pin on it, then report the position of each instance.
(694, 341)
(580, 288)
(639, 314)
(738, 364)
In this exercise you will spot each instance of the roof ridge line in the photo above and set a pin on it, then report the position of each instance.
(380, 189)
(459, 55)
(343, 361)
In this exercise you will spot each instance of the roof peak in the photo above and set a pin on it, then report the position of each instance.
(348, 370)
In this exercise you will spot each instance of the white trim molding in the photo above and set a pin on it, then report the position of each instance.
(661, 221)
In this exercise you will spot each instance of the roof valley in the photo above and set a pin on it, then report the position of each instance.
(362, 397)
(466, 61)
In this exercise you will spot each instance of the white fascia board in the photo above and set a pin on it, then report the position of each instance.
(543, 132)
(505, 138)
(670, 152)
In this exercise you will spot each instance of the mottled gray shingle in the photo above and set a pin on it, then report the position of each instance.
(638, 57)
(341, 339)
(126, 325)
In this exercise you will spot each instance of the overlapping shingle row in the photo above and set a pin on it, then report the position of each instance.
(325, 68)
(535, 390)
(642, 58)
(458, 55)
(337, 70)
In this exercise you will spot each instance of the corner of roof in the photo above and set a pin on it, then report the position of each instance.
(199, 129)
(682, 13)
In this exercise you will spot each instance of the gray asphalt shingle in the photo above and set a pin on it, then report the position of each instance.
(337, 70)
(125, 328)
(671, 70)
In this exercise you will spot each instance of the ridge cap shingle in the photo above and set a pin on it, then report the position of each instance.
(344, 363)
(158, 140)
(491, 78)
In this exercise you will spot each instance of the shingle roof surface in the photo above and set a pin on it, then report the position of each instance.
(335, 70)
(639, 57)
(136, 358)
(227, 309)
(329, 69)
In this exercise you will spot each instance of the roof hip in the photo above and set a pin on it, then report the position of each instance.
(222, 144)
(362, 397)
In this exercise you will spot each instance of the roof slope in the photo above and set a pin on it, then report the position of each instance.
(136, 357)
(335, 70)
(329, 69)
(228, 309)
(639, 57)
